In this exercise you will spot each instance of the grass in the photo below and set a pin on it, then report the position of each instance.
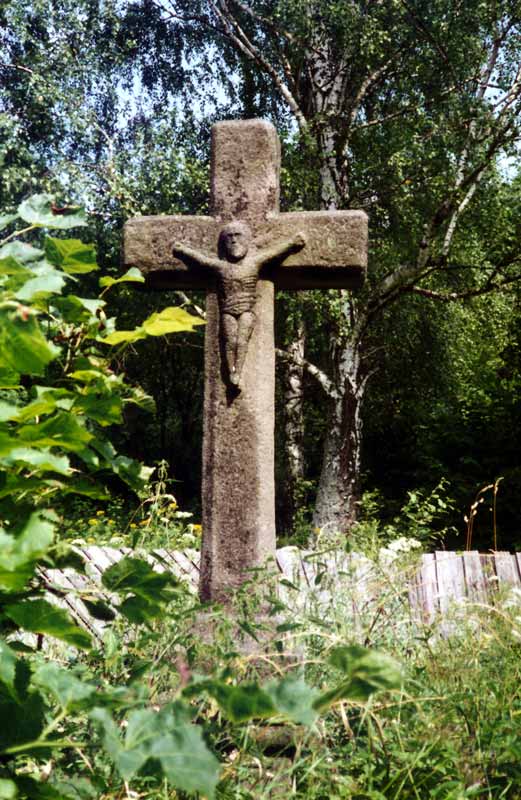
(453, 731)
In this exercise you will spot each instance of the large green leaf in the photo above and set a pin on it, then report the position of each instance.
(8, 790)
(99, 609)
(103, 406)
(5, 220)
(133, 275)
(26, 720)
(42, 790)
(40, 210)
(45, 281)
(36, 790)
(185, 758)
(140, 611)
(43, 459)
(169, 738)
(23, 347)
(47, 400)
(40, 616)
(8, 662)
(293, 698)
(9, 378)
(10, 266)
(367, 671)
(19, 554)
(71, 255)
(171, 320)
(8, 412)
(78, 310)
(124, 337)
(133, 575)
(130, 471)
(141, 399)
(66, 688)
(243, 702)
(62, 429)
(20, 251)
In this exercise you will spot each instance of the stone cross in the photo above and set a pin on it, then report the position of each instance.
(242, 253)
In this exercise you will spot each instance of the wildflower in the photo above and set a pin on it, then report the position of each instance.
(133, 525)
(197, 529)
(93, 521)
(100, 513)
(91, 539)
(145, 521)
(110, 521)
(398, 547)
(173, 506)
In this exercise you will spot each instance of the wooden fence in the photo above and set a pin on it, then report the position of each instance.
(429, 587)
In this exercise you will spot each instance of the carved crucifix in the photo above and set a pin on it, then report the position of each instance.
(240, 254)
(236, 279)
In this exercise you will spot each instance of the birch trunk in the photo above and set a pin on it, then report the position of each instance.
(339, 484)
(294, 424)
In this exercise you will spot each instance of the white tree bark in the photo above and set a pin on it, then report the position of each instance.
(294, 406)
(339, 486)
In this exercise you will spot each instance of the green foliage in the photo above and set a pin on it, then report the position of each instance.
(170, 320)
(167, 737)
(60, 393)
(40, 211)
(61, 396)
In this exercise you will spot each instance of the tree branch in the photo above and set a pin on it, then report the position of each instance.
(311, 369)
(185, 300)
(451, 296)
(237, 35)
(275, 29)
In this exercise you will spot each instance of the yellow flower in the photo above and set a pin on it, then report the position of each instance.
(99, 513)
(93, 521)
(173, 505)
(197, 528)
(110, 521)
(145, 521)
(91, 539)
(133, 525)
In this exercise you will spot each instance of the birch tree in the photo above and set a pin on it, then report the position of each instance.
(405, 110)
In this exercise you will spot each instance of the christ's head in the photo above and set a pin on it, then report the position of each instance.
(234, 240)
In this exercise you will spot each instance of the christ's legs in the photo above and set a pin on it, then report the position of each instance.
(230, 329)
(244, 331)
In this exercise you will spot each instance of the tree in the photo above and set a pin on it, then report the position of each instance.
(404, 110)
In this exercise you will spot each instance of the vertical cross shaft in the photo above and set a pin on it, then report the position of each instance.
(238, 449)
(181, 251)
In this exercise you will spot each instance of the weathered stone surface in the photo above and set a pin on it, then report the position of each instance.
(337, 243)
(238, 491)
(238, 449)
(335, 255)
(147, 244)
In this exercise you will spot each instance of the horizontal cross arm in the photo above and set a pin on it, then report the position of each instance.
(335, 255)
(148, 241)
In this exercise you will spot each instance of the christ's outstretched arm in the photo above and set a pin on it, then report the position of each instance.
(192, 257)
(281, 249)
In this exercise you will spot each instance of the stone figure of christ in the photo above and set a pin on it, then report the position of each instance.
(237, 270)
